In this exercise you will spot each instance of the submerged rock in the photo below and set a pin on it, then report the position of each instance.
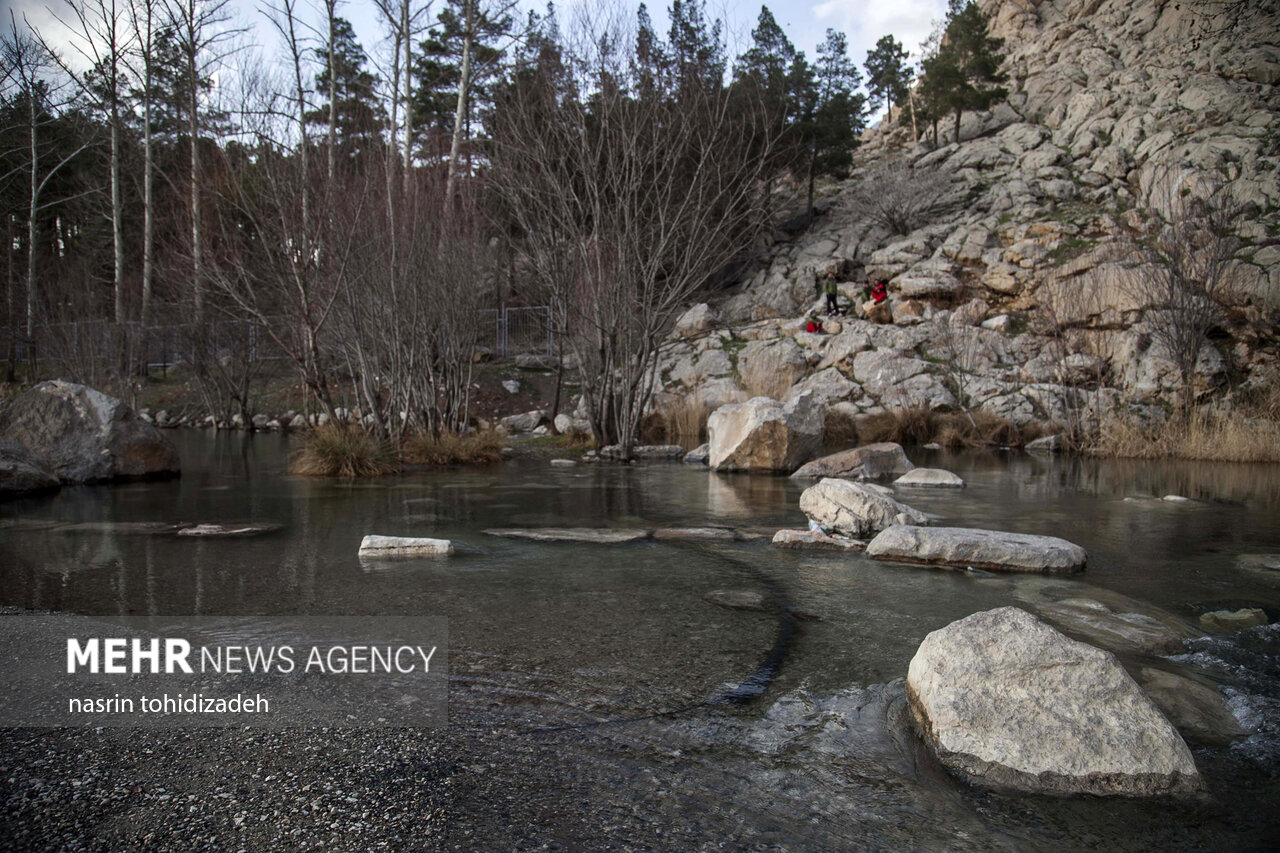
(963, 547)
(737, 599)
(854, 509)
(404, 546)
(1008, 702)
(868, 462)
(815, 540)
(1228, 621)
(1199, 712)
(765, 435)
(1116, 629)
(83, 436)
(696, 534)
(228, 530)
(699, 455)
(21, 472)
(930, 477)
(572, 534)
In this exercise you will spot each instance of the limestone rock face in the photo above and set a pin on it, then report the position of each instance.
(963, 547)
(765, 435)
(868, 462)
(1008, 702)
(21, 472)
(697, 320)
(83, 436)
(855, 510)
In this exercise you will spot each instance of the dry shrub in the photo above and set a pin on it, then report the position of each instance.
(902, 426)
(839, 430)
(448, 448)
(1203, 435)
(341, 450)
(682, 421)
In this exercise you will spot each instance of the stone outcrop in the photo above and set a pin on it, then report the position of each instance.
(868, 462)
(21, 472)
(765, 435)
(83, 436)
(964, 547)
(854, 509)
(1008, 702)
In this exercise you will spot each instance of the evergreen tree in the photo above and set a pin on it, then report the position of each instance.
(696, 46)
(888, 75)
(437, 63)
(650, 62)
(835, 111)
(359, 116)
(968, 63)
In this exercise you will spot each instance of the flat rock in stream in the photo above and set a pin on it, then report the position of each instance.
(868, 462)
(1117, 629)
(1230, 621)
(965, 547)
(815, 540)
(737, 599)
(215, 531)
(934, 478)
(1008, 702)
(404, 546)
(603, 536)
(854, 509)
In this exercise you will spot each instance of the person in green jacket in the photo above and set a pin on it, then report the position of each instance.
(832, 292)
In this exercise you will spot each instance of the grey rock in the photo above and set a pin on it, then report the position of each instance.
(765, 435)
(527, 422)
(535, 361)
(404, 546)
(1008, 702)
(853, 509)
(737, 599)
(930, 478)
(868, 462)
(695, 534)
(83, 436)
(511, 386)
(1047, 444)
(218, 531)
(21, 472)
(563, 463)
(1121, 627)
(699, 455)
(1228, 621)
(964, 547)
(815, 540)
(696, 321)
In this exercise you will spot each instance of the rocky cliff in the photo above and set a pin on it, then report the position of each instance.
(1013, 288)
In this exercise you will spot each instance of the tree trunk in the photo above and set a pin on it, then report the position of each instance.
(957, 125)
(117, 205)
(32, 226)
(148, 177)
(331, 9)
(197, 248)
(408, 93)
(464, 82)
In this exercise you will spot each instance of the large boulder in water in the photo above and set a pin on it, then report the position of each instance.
(854, 509)
(765, 435)
(83, 436)
(1008, 702)
(868, 462)
(964, 547)
(21, 472)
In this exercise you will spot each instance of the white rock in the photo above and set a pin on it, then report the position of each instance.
(765, 435)
(854, 509)
(403, 546)
(512, 386)
(1008, 702)
(964, 547)
(931, 477)
(697, 320)
(868, 462)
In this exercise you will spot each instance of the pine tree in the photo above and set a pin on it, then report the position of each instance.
(696, 46)
(968, 62)
(835, 111)
(359, 117)
(888, 75)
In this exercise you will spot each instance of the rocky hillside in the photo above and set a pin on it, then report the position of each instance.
(1014, 289)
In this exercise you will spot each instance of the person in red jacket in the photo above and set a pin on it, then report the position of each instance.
(814, 324)
(880, 291)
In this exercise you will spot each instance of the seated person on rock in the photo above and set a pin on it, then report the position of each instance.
(813, 324)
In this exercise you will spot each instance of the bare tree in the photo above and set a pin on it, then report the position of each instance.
(626, 205)
(900, 197)
(144, 36)
(1183, 262)
(25, 70)
(102, 40)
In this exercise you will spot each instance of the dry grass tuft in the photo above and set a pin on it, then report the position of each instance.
(339, 450)
(839, 430)
(760, 382)
(477, 448)
(682, 422)
(949, 429)
(1202, 436)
